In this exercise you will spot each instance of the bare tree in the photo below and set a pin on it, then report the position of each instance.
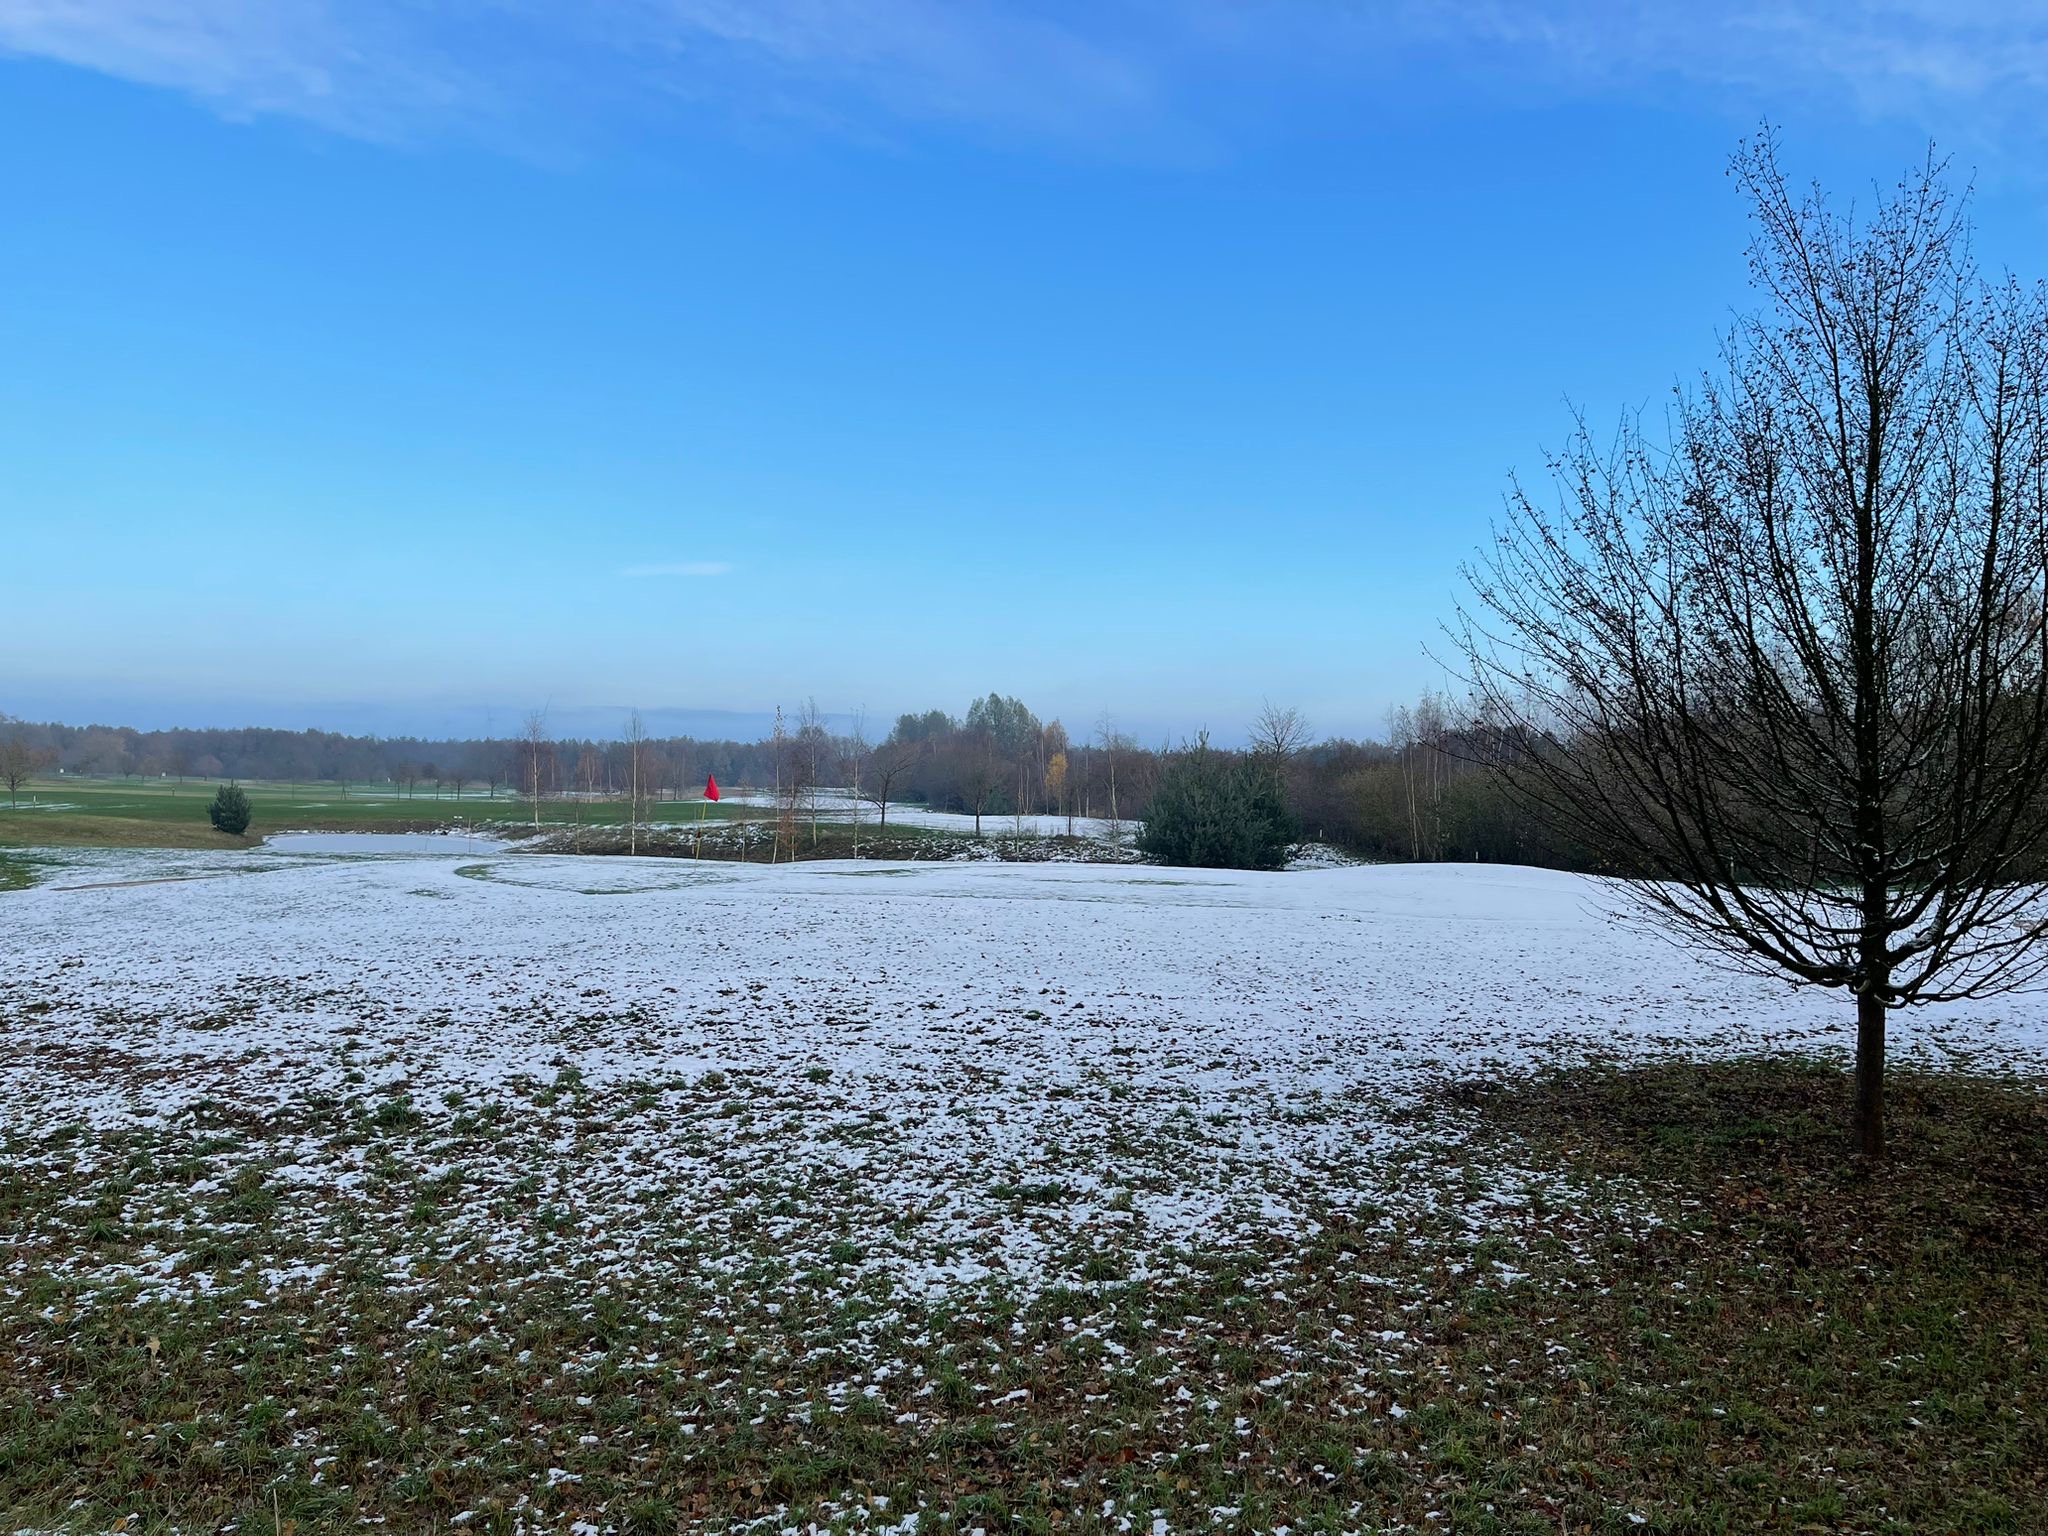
(1114, 744)
(491, 765)
(588, 766)
(980, 770)
(812, 739)
(1418, 738)
(636, 740)
(1401, 741)
(536, 754)
(887, 765)
(1793, 667)
(856, 752)
(19, 762)
(788, 787)
(1278, 735)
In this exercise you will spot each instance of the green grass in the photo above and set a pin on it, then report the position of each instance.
(1804, 1342)
(161, 813)
(1733, 1328)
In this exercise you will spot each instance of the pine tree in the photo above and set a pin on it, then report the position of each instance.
(230, 810)
(1216, 810)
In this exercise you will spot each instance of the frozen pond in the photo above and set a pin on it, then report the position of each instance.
(430, 844)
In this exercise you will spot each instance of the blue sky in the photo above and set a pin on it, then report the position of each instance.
(380, 366)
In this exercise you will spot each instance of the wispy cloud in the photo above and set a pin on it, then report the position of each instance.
(387, 69)
(1105, 73)
(1887, 55)
(357, 69)
(680, 568)
(1012, 66)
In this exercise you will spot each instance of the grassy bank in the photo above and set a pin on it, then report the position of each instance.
(164, 813)
(758, 840)
(1735, 1330)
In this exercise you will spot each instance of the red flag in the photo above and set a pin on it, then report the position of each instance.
(711, 787)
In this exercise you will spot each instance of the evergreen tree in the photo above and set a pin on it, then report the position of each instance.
(1216, 810)
(230, 810)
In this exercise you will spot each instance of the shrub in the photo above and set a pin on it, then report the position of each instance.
(1216, 810)
(230, 810)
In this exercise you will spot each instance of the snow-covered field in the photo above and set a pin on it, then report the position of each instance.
(1220, 1049)
(839, 805)
(723, 1081)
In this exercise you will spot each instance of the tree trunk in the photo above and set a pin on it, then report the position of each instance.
(1869, 1115)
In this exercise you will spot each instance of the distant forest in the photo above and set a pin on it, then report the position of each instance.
(1423, 793)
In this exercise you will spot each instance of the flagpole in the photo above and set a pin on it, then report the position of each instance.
(710, 794)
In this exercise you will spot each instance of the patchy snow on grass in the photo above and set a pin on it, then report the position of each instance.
(371, 844)
(826, 1107)
(984, 1070)
(1320, 856)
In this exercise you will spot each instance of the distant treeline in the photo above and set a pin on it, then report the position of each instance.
(1423, 793)
(413, 764)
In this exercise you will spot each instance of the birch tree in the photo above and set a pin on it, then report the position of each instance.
(535, 755)
(636, 741)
